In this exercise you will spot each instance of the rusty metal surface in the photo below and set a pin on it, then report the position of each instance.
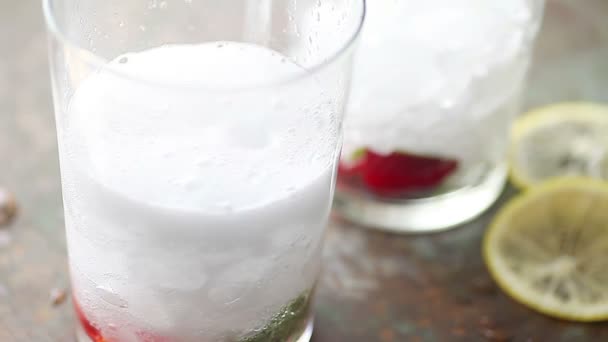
(375, 286)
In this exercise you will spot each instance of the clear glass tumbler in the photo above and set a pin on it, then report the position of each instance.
(435, 87)
(199, 144)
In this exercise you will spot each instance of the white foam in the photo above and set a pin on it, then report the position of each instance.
(174, 194)
(140, 133)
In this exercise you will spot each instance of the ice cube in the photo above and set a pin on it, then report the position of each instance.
(419, 82)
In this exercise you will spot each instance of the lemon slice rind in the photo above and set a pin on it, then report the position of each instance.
(520, 288)
(527, 125)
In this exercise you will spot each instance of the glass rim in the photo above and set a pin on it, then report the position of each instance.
(100, 62)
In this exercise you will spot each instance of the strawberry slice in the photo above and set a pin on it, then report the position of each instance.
(95, 335)
(91, 331)
(397, 173)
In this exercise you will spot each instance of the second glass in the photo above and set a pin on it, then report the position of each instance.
(436, 85)
(198, 142)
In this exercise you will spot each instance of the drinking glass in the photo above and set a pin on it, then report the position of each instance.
(436, 85)
(198, 142)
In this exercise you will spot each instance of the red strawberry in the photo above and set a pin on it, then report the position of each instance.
(397, 173)
(95, 335)
(91, 331)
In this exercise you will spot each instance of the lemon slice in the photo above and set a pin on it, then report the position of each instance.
(548, 249)
(567, 139)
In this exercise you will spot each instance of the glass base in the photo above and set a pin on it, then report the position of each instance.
(305, 336)
(307, 333)
(424, 215)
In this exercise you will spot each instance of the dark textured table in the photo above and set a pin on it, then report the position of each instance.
(375, 286)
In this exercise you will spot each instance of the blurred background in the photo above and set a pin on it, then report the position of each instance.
(571, 63)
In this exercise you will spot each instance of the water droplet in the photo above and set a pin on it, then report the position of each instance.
(142, 28)
(123, 60)
(107, 294)
(162, 5)
(121, 24)
(220, 45)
